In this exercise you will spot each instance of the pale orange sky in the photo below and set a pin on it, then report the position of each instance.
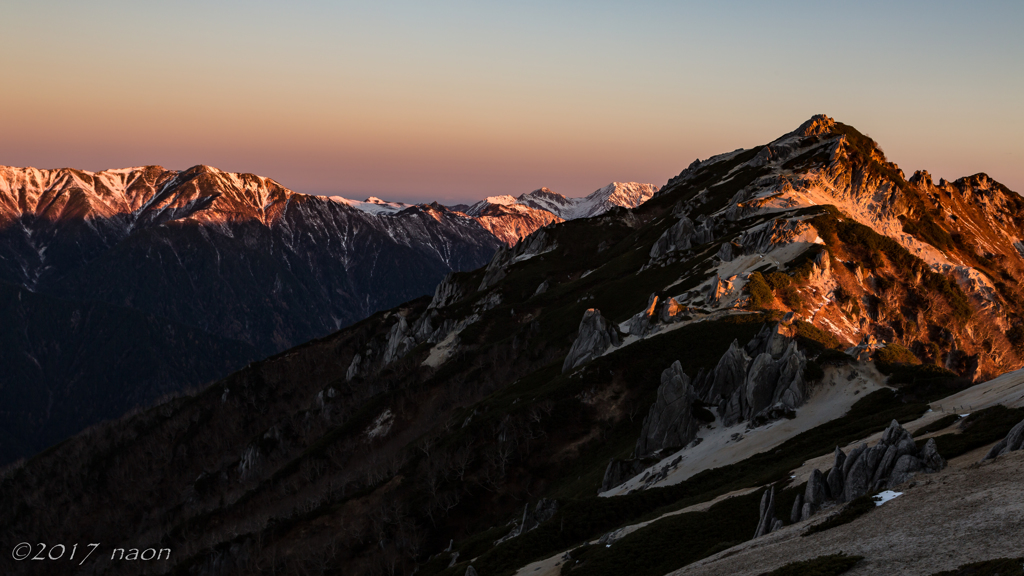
(457, 101)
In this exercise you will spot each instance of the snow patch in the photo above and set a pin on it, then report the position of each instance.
(372, 205)
(883, 497)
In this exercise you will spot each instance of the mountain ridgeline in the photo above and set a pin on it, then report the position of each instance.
(760, 309)
(241, 265)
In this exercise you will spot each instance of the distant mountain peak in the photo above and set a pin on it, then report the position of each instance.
(621, 194)
(373, 205)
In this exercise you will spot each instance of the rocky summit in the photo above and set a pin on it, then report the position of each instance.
(787, 357)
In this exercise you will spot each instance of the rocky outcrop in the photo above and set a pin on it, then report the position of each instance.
(815, 494)
(535, 244)
(659, 311)
(884, 466)
(862, 352)
(834, 480)
(768, 523)
(679, 236)
(670, 422)
(353, 367)
(400, 341)
(447, 292)
(796, 513)
(542, 512)
(404, 335)
(760, 382)
(730, 373)
(683, 235)
(594, 337)
(816, 491)
(727, 251)
(642, 322)
(618, 471)
(495, 270)
(1013, 441)
(891, 462)
(766, 237)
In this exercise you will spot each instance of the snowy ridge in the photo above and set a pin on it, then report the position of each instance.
(616, 194)
(373, 205)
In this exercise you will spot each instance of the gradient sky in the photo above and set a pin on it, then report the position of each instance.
(454, 101)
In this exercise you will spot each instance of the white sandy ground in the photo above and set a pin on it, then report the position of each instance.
(1007, 390)
(839, 390)
(968, 512)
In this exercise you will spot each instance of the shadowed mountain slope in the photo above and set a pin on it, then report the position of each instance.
(757, 291)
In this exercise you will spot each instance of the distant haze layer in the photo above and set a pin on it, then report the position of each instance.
(412, 102)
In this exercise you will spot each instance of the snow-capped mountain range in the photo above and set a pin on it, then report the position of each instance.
(215, 267)
(616, 194)
(511, 218)
(797, 324)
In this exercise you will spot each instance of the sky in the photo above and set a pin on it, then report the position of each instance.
(454, 101)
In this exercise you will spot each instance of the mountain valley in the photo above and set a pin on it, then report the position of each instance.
(235, 259)
(717, 376)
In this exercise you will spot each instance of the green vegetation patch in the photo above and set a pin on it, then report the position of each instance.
(889, 358)
(673, 542)
(760, 291)
(927, 230)
(853, 510)
(940, 424)
(816, 339)
(831, 565)
(782, 285)
(979, 429)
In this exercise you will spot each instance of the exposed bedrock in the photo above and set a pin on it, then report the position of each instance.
(835, 475)
(768, 387)
(730, 373)
(683, 235)
(594, 337)
(659, 310)
(447, 292)
(760, 382)
(539, 242)
(768, 523)
(891, 462)
(884, 466)
(670, 422)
